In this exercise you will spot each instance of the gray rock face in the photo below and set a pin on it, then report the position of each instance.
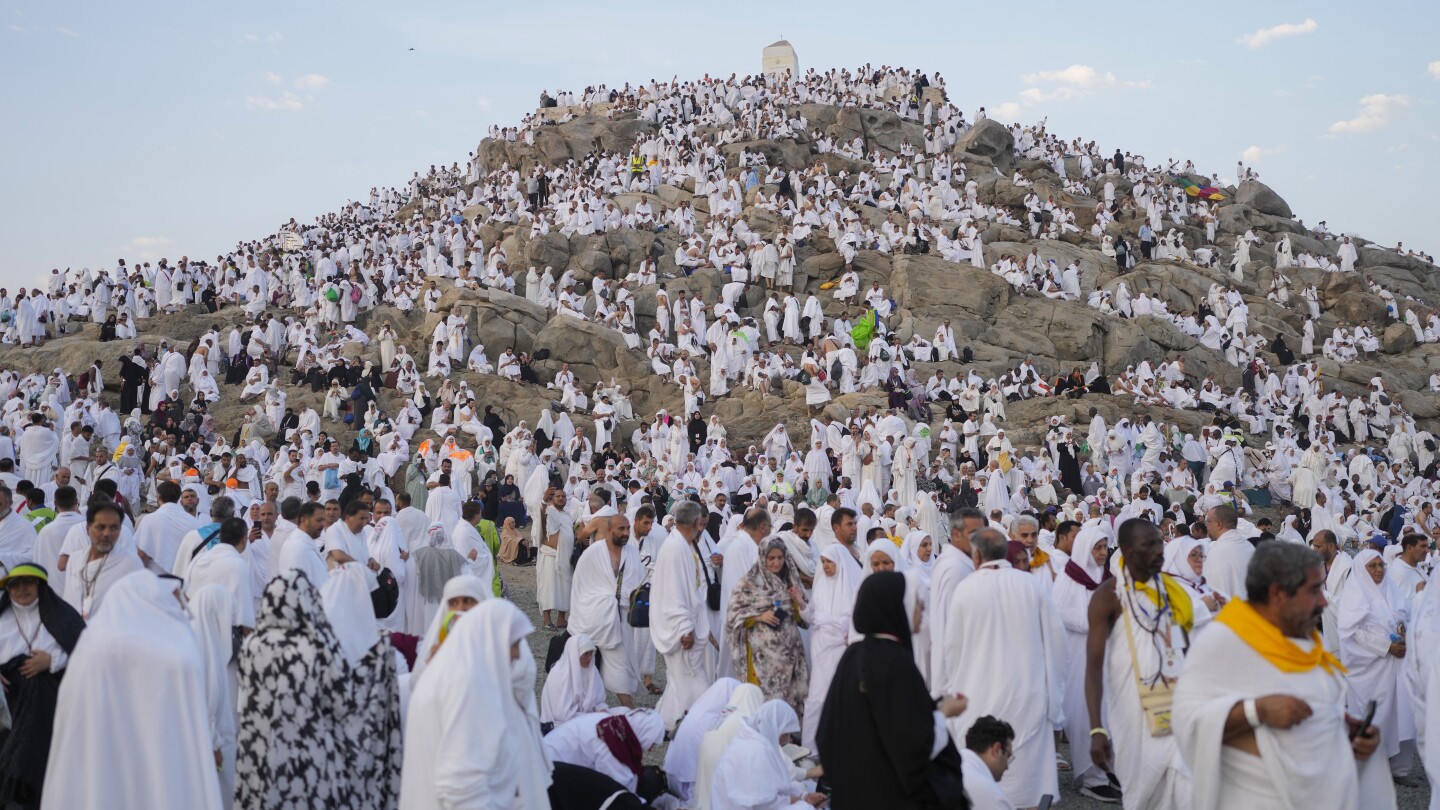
(988, 139)
(1259, 196)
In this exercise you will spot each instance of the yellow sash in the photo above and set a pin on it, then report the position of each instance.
(1175, 593)
(1266, 639)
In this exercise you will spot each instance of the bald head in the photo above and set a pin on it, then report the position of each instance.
(989, 545)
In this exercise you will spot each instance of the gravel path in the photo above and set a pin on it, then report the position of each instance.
(521, 584)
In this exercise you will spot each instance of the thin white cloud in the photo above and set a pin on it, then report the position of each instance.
(262, 39)
(273, 78)
(1070, 82)
(1264, 36)
(66, 31)
(1009, 111)
(1434, 69)
(145, 248)
(287, 102)
(483, 103)
(1255, 154)
(1376, 111)
(311, 81)
(148, 241)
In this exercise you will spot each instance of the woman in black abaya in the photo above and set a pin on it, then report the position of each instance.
(877, 731)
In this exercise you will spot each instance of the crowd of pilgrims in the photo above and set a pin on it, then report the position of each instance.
(273, 616)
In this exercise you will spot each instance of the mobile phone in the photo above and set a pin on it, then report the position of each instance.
(1364, 724)
(1046, 801)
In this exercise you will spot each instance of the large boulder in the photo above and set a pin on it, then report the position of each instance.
(1358, 307)
(988, 139)
(594, 352)
(931, 289)
(1397, 338)
(1259, 196)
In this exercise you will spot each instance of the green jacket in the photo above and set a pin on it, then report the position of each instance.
(491, 536)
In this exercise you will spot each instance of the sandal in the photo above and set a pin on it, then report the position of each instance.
(653, 689)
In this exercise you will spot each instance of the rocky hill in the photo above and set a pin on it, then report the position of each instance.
(1000, 325)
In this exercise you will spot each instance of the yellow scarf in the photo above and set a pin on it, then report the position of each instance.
(1266, 639)
(1175, 593)
(1038, 558)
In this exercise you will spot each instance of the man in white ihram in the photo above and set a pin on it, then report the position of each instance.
(679, 618)
(605, 576)
(999, 614)
(1259, 711)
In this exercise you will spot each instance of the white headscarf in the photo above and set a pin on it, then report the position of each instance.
(836, 595)
(460, 585)
(744, 701)
(571, 688)
(1365, 601)
(910, 550)
(682, 757)
(161, 706)
(504, 762)
(1177, 561)
(754, 770)
(887, 547)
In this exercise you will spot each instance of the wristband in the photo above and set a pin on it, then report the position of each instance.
(1252, 715)
(1099, 730)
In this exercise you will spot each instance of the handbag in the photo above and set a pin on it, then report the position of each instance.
(639, 615)
(332, 480)
(386, 595)
(712, 589)
(1156, 698)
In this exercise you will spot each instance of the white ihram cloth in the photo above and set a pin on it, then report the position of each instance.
(159, 533)
(1422, 674)
(677, 608)
(1226, 561)
(830, 608)
(599, 607)
(1150, 769)
(1307, 765)
(137, 675)
(1005, 651)
(1369, 614)
(950, 570)
(1335, 581)
(211, 617)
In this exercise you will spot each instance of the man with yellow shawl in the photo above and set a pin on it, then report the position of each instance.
(1140, 626)
(1259, 714)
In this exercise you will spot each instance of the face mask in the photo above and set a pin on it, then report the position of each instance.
(522, 675)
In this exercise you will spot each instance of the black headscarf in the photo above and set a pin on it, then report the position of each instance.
(25, 747)
(880, 607)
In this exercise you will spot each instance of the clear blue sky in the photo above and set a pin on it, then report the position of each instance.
(161, 129)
